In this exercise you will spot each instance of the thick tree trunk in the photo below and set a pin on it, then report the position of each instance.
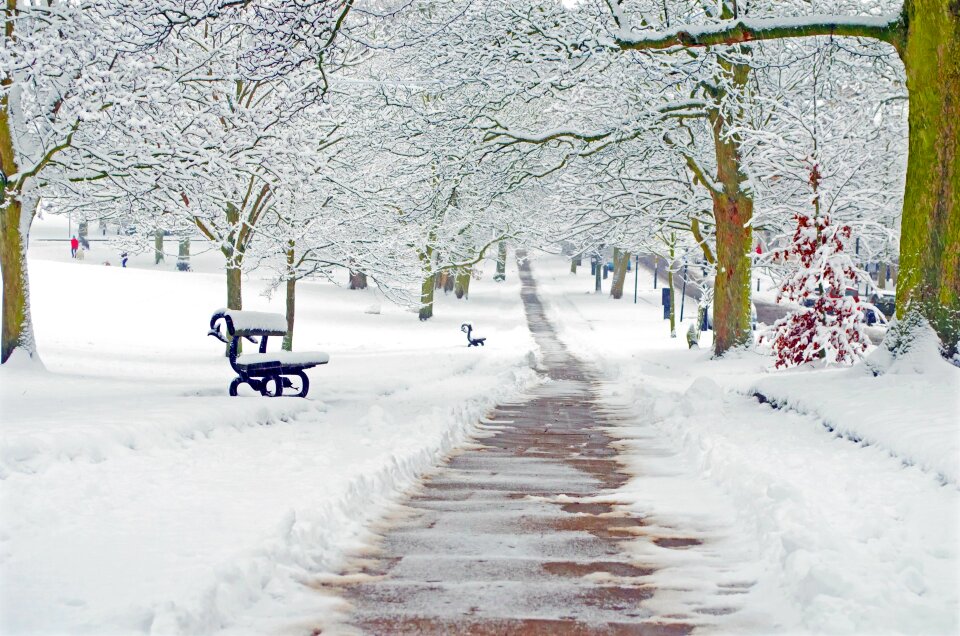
(358, 280)
(462, 286)
(501, 262)
(426, 297)
(733, 214)
(183, 255)
(158, 247)
(731, 302)
(929, 276)
(620, 262)
(234, 287)
(881, 275)
(428, 286)
(17, 326)
(597, 276)
(443, 277)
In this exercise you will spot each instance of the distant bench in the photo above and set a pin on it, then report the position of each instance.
(264, 372)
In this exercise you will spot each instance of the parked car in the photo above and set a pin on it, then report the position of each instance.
(885, 300)
(608, 266)
(810, 300)
(877, 324)
(873, 315)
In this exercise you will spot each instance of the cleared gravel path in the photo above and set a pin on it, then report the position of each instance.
(519, 532)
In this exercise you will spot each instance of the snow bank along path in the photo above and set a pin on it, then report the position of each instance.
(837, 536)
(521, 532)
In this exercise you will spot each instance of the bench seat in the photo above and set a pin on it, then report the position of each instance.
(285, 359)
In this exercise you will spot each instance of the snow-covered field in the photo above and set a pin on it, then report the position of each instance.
(853, 530)
(137, 497)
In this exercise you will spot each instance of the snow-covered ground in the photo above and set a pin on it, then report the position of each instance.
(850, 530)
(137, 497)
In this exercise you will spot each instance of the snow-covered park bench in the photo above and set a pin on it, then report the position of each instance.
(263, 371)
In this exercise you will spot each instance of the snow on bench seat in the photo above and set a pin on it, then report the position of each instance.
(284, 358)
(256, 321)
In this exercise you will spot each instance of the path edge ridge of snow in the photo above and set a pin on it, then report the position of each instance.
(841, 432)
(304, 546)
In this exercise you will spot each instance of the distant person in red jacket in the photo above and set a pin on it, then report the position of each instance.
(74, 244)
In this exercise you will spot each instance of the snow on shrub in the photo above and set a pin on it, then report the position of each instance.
(829, 324)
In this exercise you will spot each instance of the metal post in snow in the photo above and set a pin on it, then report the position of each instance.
(683, 292)
(636, 278)
(656, 270)
(597, 276)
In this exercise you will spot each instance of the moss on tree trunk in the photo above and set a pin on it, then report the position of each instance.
(929, 276)
(234, 287)
(426, 297)
(291, 298)
(428, 286)
(17, 333)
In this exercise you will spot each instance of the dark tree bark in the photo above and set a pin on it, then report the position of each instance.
(501, 274)
(158, 247)
(621, 260)
(358, 280)
(17, 332)
(183, 255)
(462, 286)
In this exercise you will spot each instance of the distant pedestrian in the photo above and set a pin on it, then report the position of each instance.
(123, 259)
(74, 244)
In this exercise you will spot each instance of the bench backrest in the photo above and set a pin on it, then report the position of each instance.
(250, 323)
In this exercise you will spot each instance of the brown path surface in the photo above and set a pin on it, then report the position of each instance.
(508, 537)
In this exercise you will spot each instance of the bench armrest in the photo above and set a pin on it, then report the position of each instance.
(215, 328)
(216, 334)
